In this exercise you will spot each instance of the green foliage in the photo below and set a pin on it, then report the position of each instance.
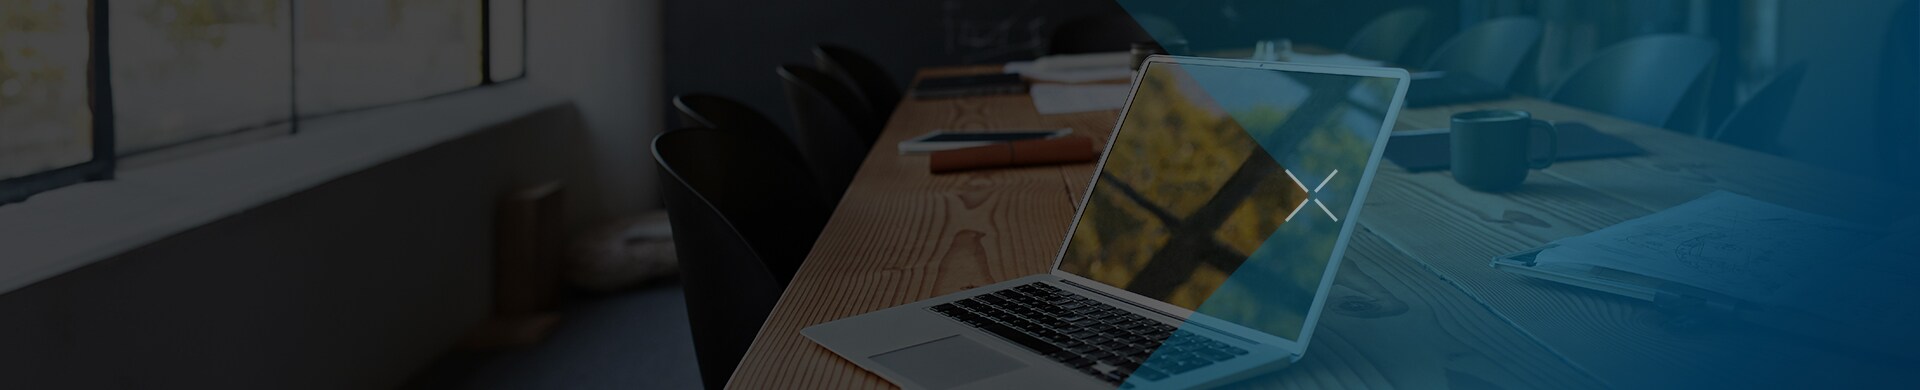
(30, 76)
(204, 21)
(24, 17)
(1180, 149)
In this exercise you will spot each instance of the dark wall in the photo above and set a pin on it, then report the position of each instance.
(1327, 23)
(731, 47)
(353, 284)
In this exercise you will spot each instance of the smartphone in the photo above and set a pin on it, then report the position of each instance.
(939, 140)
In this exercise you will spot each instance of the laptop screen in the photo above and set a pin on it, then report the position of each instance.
(1226, 188)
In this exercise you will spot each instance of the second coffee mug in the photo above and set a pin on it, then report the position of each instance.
(1492, 149)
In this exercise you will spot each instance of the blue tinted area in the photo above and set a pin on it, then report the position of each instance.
(1212, 201)
(1310, 124)
(1319, 130)
(1847, 154)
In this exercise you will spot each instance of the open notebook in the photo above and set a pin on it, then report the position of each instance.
(1753, 260)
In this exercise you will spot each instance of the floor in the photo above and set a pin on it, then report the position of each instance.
(630, 340)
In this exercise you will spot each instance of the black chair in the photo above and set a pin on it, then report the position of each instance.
(744, 217)
(875, 87)
(1643, 79)
(714, 112)
(1108, 33)
(833, 128)
(1756, 124)
(1491, 51)
(1386, 38)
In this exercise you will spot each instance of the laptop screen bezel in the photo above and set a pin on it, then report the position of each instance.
(1348, 223)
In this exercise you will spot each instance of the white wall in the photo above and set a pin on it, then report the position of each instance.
(606, 55)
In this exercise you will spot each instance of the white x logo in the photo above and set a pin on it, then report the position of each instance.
(1315, 190)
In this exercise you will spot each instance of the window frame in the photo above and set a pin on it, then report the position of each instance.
(100, 107)
(486, 44)
(106, 159)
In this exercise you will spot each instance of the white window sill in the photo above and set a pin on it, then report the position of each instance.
(68, 228)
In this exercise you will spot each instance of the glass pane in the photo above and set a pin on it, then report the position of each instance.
(507, 38)
(184, 69)
(45, 122)
(351, 54)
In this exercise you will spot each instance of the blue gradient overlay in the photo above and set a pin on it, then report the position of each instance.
(1856, 169)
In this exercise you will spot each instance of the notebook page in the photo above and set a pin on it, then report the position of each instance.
(1722, 242)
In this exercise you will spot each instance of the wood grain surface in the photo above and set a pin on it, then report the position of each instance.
(1455, 231)
(1415, 305)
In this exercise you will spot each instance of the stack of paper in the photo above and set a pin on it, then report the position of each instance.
(1722, 242)
(1052, 99)
(1076, 68)
(1790, 269)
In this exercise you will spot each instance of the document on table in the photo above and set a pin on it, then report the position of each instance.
(1790, 269)
(1051, 99)
(1075, 68)
(1107, 60)
(1080, 75)
(1722, 242)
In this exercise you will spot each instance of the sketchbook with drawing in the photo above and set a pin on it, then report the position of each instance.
(1757, 261)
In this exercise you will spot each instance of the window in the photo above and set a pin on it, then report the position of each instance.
(47, 129)
(350, 54)
(83, 83)
(185, 69)
(506, 35)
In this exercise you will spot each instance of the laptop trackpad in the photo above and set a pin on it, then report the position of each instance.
(947, 363)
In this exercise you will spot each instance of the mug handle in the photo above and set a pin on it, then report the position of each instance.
(1553, 144)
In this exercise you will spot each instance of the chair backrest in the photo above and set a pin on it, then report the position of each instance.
(744, 217)
(1386, 37)
(1107, 33)
(1756, 124)
(831, 126)
(871, 81)
(1643, 79)
(1491, 51)
(714, 112)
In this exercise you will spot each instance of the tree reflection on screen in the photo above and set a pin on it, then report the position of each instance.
(1193, 203)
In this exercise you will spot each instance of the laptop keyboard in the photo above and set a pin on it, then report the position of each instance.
(1098, 339)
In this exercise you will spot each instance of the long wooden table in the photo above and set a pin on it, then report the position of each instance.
(1415, 304)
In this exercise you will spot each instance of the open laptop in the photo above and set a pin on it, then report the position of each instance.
(1202, 253)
